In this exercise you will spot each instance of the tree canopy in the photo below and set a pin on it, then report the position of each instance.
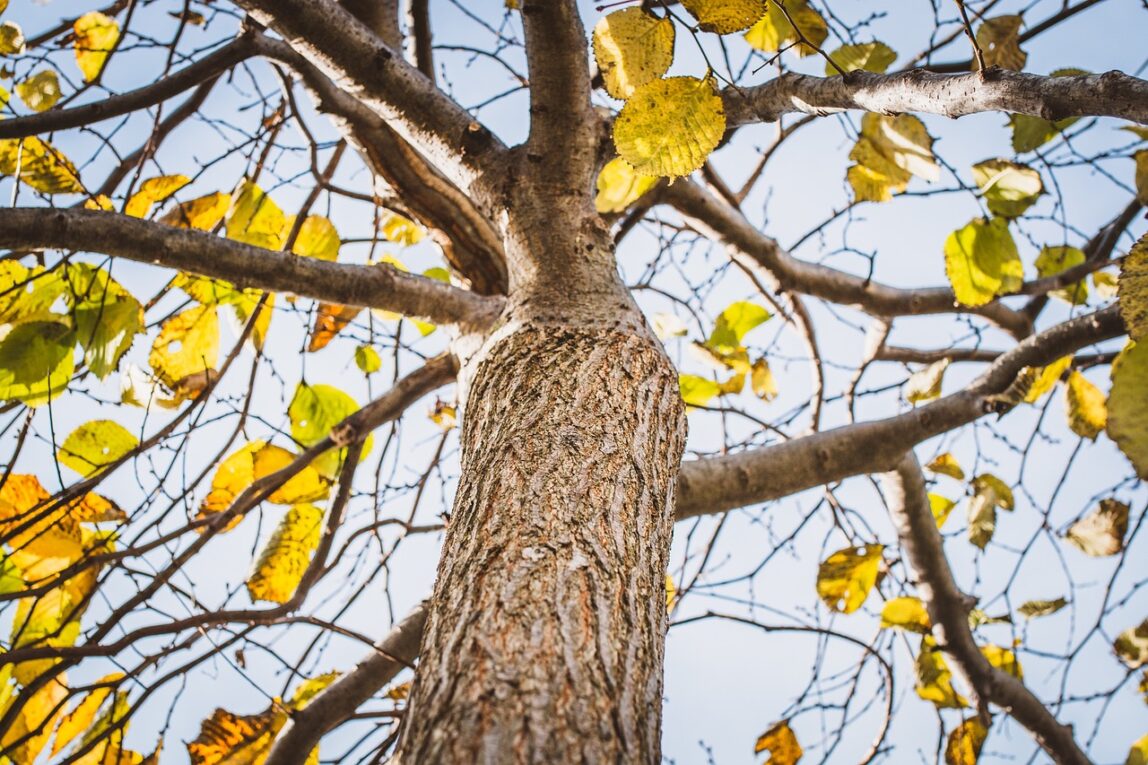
(261, 259)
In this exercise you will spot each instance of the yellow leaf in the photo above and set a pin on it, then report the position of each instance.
(781, 743)
(1102, 531)
(80, 719)
(1031, 609)
(11, 39)
(1128, 405)
(725, 17)
(908, 613)
(317, 238)
(761, 379)
(934, 678)
(733, 324)
(96, 36)
(367, 359)
(925, 385)
(845, 578)
(43, 541)
(255, 219)
(94, 445)
(33, 725)
(669, 127)
(229, 739)
(284, 558)
(1086, 405)
(1009, 188)
(1132, 288)
(40, 91)
(946, 464)
(254, 461)
(106, 316)
(152, 191)
(981, 261)
(187, 345)
(444, 415)
(774, 30)
(965, 742)
(398, 692)
(1131, 645)
(1141, 158)
(941, 507)
(632, 47)
(330, 320)
(1045, 378)
(999, 42)
(697, 391)
(310, 688)
(100, 202)
(400, 230)
(1003, 659)
(888, 152)
(671, 593)
(40, 165)
(203, 213)
(619, 186)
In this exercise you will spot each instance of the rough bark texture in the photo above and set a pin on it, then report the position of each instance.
(545, 636)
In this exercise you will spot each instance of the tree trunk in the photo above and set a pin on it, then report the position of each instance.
(545, 637)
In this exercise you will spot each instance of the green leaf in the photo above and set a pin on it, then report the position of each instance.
(1128, 405)
(285, 557)
(999, 41)
(36, 361)
(1132, 288)
(734, 323)
(845, 578)
(869, 57)
(1033, 609)
(315, 409)
(40, 91)
(367, 359)
(1086, 407)
(925, 385)
(106, 316)
(95, 37)
(669, 127)
(981, 261)
(632, 47)
(1008, 188)
(1053, 260)
(619, 186)
(94, 445)
(1101, 532)
(774, 30)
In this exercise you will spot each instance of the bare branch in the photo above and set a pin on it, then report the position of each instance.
(949, 612)
(244, 265)
(718, 484)
(764, 256)
(1112, 94)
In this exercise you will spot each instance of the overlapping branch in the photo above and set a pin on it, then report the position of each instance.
(246, 266)
(948, 609)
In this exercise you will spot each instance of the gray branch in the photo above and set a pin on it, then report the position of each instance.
(949, 613)
(1112, 94)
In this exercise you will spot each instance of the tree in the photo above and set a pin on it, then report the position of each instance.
(544, 636)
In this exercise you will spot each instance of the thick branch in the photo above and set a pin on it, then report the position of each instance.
(201, 71)
(338, 701)
(354, 57)
(718, 484)
(247, 266)
(766, 257)
(470, 243)
(949, 612)
(1112, 94)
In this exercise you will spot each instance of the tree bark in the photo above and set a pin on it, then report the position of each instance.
(545, 636)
